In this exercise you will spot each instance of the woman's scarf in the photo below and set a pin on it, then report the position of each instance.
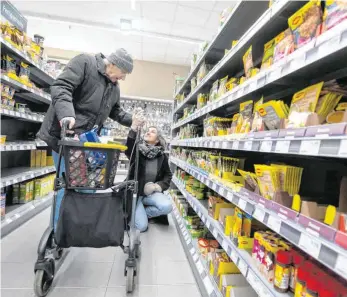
(150, 151)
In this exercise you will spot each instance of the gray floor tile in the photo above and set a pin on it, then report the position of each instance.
(174, 273)
(178, 290)
(17, 275)
(95, 255)
(17, 293)
(77, 292)
(140, 291)
(84, 274)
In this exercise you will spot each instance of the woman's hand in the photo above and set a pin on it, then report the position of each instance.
(150, 188)
(138, 120)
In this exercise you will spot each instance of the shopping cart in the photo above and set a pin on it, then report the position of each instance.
(88, 218)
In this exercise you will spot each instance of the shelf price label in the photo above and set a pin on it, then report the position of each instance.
(225, 245)
(230, 195)
(208, 285)
(343, 148)
(266, 146)
(282, 147)
(309, 147)
(242, 204)
(243, 266)
(259, 214)
(234, 257)
(225, 144)
(200, 267)
(248, 145)
(252, 279)
(310, 244)
(274, 223)
(235, 145)
(341, 265)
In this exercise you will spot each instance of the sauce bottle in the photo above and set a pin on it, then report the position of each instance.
(282, 271)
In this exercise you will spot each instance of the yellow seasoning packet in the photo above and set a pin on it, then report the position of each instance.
(268, 56)
(248, 62)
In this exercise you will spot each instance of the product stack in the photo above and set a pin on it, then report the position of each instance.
(26, 165)
(259, 144)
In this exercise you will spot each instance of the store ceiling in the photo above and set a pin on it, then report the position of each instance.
(163, 31)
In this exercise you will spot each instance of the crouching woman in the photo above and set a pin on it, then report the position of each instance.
(154, 177)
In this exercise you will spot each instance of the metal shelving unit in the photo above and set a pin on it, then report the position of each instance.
(288, 223)
(319, 60)
(241, 258)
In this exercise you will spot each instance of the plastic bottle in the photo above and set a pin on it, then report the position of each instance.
(298, 260)
(282, 271)
(300, 286)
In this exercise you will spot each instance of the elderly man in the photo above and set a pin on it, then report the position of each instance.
(86, 93)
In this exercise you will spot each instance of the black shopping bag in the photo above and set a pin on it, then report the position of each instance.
(90, 220)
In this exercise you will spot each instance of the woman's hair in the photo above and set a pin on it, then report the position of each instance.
(161, 139)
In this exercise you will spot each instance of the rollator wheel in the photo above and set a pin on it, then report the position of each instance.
(42, 283)
(130, 273)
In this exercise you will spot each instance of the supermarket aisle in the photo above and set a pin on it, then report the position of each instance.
(164, 269)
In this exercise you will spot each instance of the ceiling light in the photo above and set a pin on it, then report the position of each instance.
(125, 25)
(132, 2)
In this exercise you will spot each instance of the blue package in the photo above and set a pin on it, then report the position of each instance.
(96, 159)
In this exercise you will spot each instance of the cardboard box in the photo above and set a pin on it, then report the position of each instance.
(229, 225)
(43, 158)
(32, 158)
(49, 161)
(24, 192)
(38, 158)
(221, 264)
(231, 291)
(223, 213)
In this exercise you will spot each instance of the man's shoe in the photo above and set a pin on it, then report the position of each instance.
(162, 220)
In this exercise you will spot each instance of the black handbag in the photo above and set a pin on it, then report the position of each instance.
(90, 220)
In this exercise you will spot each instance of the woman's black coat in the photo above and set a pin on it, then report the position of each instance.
(164, 174)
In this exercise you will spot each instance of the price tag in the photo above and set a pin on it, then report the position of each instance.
(185, 233)
(200, 267)
(215, 234)
(208, 285)
(310, 244)
(225, 245)
(225, 144)
(208, 224)
(274, 223)
(221, 191)
(17, 216)
(282, 146)
(242, 204)
(234, 256)
(248, 145)
(195, 257)
(243, 267)
(343, 148)
(235, 145)
(214, 187)
(5, 77)
(259, 214)
(11, 112)
(266, 146)
(192, 251)
(230, 196)
(252, 279)
(341, 265)
(309, 147)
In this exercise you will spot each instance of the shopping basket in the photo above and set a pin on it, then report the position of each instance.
(90, 165)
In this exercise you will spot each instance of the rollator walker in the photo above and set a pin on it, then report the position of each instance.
(87, 218)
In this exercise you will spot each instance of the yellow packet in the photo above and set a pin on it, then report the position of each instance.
(248, 62)
(269, 49)
(272, 112)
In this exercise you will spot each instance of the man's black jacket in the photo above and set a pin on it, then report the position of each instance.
(84, 92)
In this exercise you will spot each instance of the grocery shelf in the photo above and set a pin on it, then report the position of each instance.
(36, 73)
(29, 94)
(24, 116)
(324, 52)
(241, 258)
(263, 29)
(242, 17)
(21, 213)
(323, 141)
(11, 176)
(205, 282)
(318, 240)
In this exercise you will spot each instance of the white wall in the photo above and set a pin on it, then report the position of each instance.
(148, 79)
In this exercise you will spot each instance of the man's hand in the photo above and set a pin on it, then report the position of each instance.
(69, 120)
(149, 189)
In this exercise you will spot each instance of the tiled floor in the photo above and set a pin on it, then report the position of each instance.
(163, 268)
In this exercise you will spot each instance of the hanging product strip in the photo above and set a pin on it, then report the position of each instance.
(289, 100)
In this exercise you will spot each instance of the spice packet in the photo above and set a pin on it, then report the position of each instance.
(268, 180)
(272, 113)
(305, 23)
(257, 121)
(284, 45)
(334, 13)
(246, 110)
(248, 62)
(268, 56)
(232, 83)
(222, 86)
(214, 91)
(303, 104)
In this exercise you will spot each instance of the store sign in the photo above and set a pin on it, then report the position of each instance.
(13, 16)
